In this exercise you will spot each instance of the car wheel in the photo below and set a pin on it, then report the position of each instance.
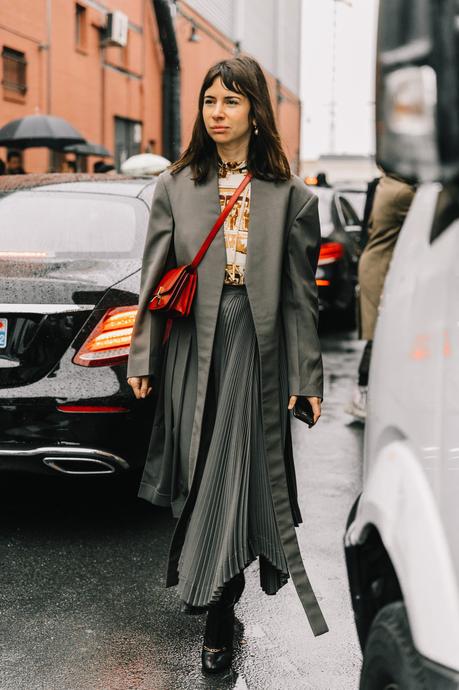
(390, 660)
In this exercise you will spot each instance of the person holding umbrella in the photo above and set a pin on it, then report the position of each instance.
(220, 452)
(34, 131)
(69, 166)
(14, 165)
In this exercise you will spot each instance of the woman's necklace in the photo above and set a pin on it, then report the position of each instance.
(228, 167)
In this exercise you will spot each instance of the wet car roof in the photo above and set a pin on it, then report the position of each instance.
(76, 182)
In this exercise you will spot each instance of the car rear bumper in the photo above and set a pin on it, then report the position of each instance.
(335, 287)
(36, 437)
(326, 297)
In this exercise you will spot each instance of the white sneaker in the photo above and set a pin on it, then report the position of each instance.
(358, 405)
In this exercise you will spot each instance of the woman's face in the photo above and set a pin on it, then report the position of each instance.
(228, 111)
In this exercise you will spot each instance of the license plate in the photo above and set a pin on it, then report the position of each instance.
(3, 332)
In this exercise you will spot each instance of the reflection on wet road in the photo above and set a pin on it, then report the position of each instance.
(82, 602)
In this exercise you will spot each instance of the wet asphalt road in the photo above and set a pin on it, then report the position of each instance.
(82, 602)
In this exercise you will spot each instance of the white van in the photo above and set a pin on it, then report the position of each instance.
(402, 538)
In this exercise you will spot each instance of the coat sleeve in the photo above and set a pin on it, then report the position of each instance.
(158, 257)
(300, 305)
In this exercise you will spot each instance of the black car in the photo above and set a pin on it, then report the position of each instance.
(336, 275)
(70, 256)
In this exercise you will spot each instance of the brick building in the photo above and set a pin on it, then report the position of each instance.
(55, 59)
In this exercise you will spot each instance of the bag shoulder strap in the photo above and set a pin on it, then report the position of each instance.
(218, 223)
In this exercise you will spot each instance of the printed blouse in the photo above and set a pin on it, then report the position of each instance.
(235, 228)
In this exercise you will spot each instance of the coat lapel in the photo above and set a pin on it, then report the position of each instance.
(265, 245)
(201, 205)
(211, 275)
(259, 221)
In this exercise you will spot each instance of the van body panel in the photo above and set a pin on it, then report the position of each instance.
(398, 501)
(411, 456)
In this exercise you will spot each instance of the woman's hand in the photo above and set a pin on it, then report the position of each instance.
(292, 401)
(140, 385)
(315, 404)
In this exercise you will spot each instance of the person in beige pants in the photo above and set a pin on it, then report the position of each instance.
(391, 203)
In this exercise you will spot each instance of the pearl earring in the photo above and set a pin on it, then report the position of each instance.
(255, 131)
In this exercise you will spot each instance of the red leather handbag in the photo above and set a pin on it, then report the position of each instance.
(173, 295)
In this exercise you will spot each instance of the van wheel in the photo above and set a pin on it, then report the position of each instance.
(390, 660)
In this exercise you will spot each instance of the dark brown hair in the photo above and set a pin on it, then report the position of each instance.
(266, 158)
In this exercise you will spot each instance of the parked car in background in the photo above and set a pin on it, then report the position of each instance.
(402, 539)
(336, 275)
(70, 256)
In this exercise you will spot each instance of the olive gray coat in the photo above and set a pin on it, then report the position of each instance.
(282, 253)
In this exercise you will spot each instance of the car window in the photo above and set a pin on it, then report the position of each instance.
(356, 199)
(403, 22)
(325, 209)
(45, 226)
(349, 214)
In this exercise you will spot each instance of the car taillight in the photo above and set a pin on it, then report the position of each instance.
(330, 252)
(110, 340)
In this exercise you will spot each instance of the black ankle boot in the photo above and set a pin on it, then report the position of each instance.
(217, 650)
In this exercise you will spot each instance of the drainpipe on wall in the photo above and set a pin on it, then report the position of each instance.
(48, 63)
(51, 155)
(171, 80)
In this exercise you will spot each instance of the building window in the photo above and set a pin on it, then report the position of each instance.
(14, 70)
(128, 138)
(80, 26)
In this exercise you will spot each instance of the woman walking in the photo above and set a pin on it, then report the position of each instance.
(220, 453)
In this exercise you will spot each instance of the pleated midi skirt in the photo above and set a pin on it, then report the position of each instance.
(233, 520)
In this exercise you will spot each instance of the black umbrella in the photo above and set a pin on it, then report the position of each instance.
(88, 149)
(39, 130)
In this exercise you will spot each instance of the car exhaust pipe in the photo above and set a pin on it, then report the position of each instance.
(71, 459)
(78, 465)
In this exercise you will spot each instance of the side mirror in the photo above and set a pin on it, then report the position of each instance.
(417, 94)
